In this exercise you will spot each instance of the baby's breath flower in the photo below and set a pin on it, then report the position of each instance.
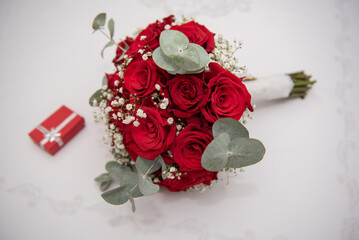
(108, 109)
(139, 112)
(170, 120)
(128, 119)
(163, 105)
(118, 136)
(136, 123)
(129, 106)
(121, 101)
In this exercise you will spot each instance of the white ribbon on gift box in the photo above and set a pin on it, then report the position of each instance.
(54, 133)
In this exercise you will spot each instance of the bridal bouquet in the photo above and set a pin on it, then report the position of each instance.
(174, 109)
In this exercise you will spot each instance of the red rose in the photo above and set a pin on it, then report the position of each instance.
(167, 158)
(188, 95)
(198, 34)
(111, 78)
(152, 34)
(151, 138)
(141, 77)
(122, 45)
(188, 179)
(188, 147)
(228, 96)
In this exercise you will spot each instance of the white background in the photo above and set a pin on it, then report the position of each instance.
(305, 188)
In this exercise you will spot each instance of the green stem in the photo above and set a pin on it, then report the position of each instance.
(105, 34)
(149, 169)
(123, 50)
(302, 84)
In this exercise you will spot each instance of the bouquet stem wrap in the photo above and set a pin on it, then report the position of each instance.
(279, 86)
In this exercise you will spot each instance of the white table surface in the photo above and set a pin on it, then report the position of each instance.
(305, 188)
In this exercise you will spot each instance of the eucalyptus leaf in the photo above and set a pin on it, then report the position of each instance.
(203, 55)
(231, 126)
(130, 180)
(163, 167)
(146, 186)
(103, 178)
(187, 59)
(173, 42)
(97, 95)
(111, 27)
(177, 55)
(105, 185)
(109, 44)
(163, 61)
(99, 21)
(123, 52)
(147, 166)
(116, 196)
(104, 81)
(244, 152)
(132, 201)
(215, 156)
(182, 71)
(116, 169)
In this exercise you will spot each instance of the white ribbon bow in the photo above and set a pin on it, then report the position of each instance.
(54, 133)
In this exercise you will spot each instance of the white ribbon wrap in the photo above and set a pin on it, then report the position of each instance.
(54, 133)
(269, 88)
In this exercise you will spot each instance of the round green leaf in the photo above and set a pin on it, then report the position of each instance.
(232, 127)
(163, 166)
(182, 71)
(116, 196)
(163, 61)
(187, 59)
(97, 95)
(245, 152)
(99, 21)
(116, 169)
(111, 27)
(147, 166)
(109, 44)
(105, 185)
(173, 42)
(202, 53)
(146, 186)
(215, 157)
(103, 178)
(104, 81)
(130, 180)
(132, 201)
(113, 168)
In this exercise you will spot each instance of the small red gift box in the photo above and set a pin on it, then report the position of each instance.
(53, 133)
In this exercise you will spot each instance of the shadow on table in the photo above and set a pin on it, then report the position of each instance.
(216, 194)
